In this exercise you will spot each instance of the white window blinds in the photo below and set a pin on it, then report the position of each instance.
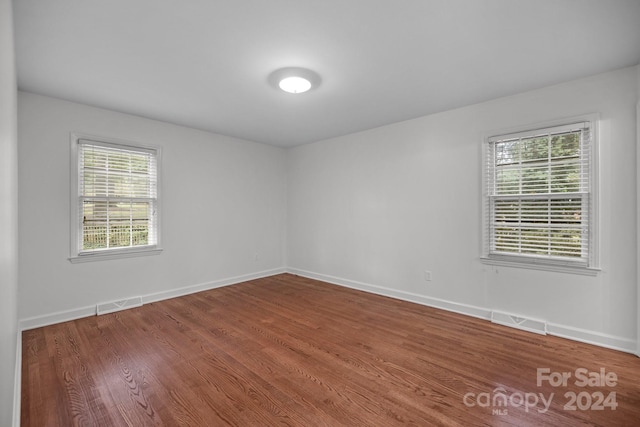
(117, 204)
(539, 190)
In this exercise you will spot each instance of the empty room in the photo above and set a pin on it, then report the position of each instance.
(319, 213)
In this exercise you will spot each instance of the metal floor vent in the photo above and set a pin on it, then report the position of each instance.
(110, 307)
(519, 322)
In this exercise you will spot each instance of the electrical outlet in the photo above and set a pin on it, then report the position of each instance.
(427, 275)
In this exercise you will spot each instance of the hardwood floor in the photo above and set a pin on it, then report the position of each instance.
(287, 350)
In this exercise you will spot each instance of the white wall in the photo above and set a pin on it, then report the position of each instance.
(376, 209)
(8, 217)
(223, 206)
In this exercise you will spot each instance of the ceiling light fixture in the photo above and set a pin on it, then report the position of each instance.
(294, 80)
(295, 84)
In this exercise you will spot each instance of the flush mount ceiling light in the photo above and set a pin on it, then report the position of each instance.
(294, 80)
(295, 84)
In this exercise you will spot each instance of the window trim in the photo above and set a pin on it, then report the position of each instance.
(592, 266)
(76, 256)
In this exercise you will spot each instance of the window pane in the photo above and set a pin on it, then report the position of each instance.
(566, 212)
(565, 163)
(566, 242)
(534, 241)
(508, 152)
(140, 186)
(535, 212)
(140, 214)
(565, 145)
(565, 177)
(533, 149)
(507, 211)
(507, 181)
(535, 179)
(118, 161)
(119, 225)
(507, 239)
(140, 164)
(94, 225)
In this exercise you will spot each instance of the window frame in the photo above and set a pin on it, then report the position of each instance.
(541, 262)
(76, 253)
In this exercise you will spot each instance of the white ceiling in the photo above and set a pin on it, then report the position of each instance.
(206, 63)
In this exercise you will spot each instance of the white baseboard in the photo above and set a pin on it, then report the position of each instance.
(469, 310)
(590, 337)
(581, 335)
(174, 293)
(56, 317)
(17, 386)
(77, 313)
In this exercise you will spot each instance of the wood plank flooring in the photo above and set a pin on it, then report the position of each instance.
(290, 351)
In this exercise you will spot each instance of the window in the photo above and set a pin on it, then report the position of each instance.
(115, 199)
(539, 197)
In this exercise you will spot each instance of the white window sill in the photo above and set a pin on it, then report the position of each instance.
(114, 254)
(541, 265)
